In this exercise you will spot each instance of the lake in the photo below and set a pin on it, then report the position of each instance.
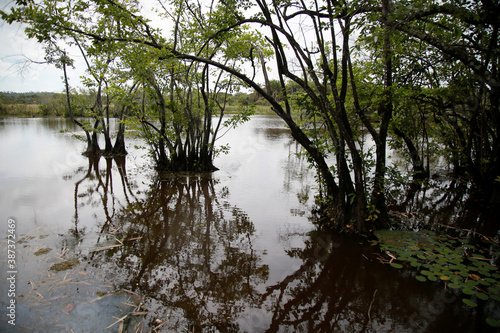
(108, 245)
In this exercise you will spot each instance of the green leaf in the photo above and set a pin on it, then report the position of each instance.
(468, 291)
(495, 297)
(469, 302)
(482, 296)
(395, 265)
(421, 278)
(493, 322)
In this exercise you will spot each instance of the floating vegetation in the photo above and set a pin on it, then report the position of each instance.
(454, 261)
(25, 239)
(65, 265)
(42, 251)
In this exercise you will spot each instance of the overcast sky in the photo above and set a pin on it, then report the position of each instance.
(17, 74)
(19, 70)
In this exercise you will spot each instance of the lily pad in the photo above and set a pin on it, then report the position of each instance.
(482, 296)
(421, 278)
(469, 302)
(493, 322)
(468, 291)
(395, 265)
(495, 297)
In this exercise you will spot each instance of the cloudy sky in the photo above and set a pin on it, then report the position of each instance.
(18, 72)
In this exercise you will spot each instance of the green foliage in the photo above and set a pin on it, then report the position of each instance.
(452, 260)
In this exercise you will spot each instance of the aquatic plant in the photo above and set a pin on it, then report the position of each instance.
(440, 257)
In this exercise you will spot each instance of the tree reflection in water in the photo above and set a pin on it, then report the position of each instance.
(341, 287)
(191, 256)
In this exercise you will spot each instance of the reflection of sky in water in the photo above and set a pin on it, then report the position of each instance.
(40, 166)
(327, 281)
(259, 171)
(34, 159)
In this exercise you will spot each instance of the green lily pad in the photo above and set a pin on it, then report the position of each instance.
(444, 277)
(494, 290)
(421, 278)
(484, 282)
(482, 296)
(493, 322)
(469, 302)
(468, 291)
(495, 297)
(471, 283)
(395, 265)
(464, 273)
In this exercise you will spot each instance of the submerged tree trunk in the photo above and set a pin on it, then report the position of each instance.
(419, 171)
(119, 146)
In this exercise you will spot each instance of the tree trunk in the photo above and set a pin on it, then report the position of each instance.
(119, 147)
(419, 172)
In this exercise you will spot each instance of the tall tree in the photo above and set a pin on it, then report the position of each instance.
(318, 63)
(464, 36)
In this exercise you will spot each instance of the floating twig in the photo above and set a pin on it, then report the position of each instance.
(116, 322)
(105, 248)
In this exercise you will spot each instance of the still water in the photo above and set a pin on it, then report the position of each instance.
(106, 246)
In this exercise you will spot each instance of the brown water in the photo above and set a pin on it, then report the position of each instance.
(230, 251)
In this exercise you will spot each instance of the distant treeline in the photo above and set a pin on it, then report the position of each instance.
(26, 98)
(32, 104)
(47, 104)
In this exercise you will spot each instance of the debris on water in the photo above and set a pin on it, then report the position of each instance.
(42, 251)
(69, 307)
(25, 239)
(65, 265)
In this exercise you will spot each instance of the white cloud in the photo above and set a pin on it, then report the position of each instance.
(20, 58)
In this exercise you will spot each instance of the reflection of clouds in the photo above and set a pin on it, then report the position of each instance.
(256, 265)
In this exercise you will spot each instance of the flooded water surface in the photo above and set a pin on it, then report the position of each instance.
(108, 245)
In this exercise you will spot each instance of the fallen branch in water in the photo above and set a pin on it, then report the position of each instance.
(370, 308)
(105, 248)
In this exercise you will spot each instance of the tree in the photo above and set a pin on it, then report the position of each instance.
(323, 73)
(319, 63)
(98, 58)
(465, 95)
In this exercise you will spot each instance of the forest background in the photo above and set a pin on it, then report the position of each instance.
(421, 77)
